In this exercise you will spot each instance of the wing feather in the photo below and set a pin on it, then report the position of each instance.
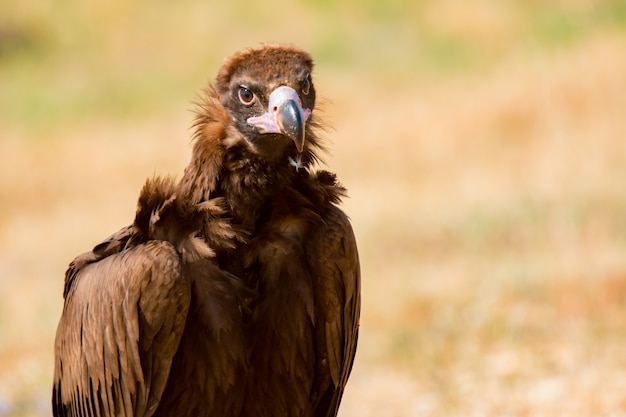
(335, 260)
(122, 321)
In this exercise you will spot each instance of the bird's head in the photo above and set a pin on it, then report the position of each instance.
(269, 93)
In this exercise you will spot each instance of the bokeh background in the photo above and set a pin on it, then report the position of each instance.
(483, 143)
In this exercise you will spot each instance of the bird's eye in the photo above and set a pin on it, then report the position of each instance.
(246, 96)
(306, 85)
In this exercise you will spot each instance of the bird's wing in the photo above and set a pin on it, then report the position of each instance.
(334, 258)
(122, 321)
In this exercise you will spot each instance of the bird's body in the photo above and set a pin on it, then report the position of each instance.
(236, 291)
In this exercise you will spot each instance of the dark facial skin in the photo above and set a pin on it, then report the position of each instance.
(245, 89)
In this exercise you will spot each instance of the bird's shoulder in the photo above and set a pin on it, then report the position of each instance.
(331, 248)
(192, 229)
(113, 244)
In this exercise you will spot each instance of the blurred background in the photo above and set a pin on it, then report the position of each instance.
(483, 144)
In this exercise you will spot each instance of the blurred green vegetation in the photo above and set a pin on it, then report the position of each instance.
(66, 61)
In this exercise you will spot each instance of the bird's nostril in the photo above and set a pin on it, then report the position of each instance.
(275, 109)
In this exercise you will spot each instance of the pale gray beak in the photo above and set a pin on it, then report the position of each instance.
(284, 116)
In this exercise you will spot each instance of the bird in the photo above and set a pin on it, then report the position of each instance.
(236, 290)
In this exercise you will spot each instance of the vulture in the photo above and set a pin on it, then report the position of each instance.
(235, 291)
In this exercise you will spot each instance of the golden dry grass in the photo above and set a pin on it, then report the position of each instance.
(486, 184)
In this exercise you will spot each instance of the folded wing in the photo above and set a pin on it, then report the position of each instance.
(121, 325)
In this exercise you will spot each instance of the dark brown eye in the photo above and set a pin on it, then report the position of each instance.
(306, 85)
(246, 96)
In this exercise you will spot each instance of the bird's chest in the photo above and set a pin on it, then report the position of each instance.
(276, 216)
(280, 324)
(274, 258)
(250, 197)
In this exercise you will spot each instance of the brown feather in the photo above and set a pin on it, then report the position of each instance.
(148, 297)
(98, 339)
(211, 127)
(236, 291)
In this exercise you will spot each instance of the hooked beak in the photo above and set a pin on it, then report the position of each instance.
(284, 116)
